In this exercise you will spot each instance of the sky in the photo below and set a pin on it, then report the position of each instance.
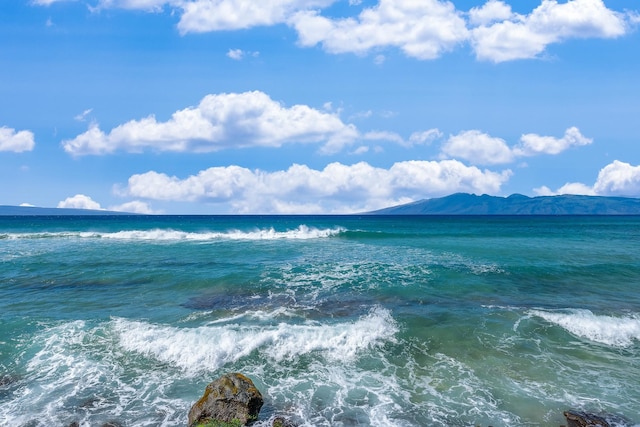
(314, 106)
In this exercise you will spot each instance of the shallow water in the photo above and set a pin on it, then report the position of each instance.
(340, 321)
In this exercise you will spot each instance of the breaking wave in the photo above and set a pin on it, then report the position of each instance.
(303, 232)
(615, 331)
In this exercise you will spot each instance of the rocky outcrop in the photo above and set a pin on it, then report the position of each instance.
(584, 419)
(230, 398)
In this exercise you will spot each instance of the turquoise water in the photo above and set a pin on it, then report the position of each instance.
(339, 320)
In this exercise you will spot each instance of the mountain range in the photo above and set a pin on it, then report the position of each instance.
(455, 204)
(517, 204)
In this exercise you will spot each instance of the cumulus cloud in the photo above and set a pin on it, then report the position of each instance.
(482, 149)
(135, 206)
(337, 188)
(422, 30)
(19, 141)
(478, 147)
(532, 144)
(516, 36)
(79, 201)
(618, 178)
(615, 179)
(221, 121)
(492, 11)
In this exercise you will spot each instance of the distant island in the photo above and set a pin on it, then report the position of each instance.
(517, 204)
(455, 204)
(36, 211)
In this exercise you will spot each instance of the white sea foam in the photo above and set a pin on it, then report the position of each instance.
(74, 374)
(212, 346)
(616, 331)
(303, 232)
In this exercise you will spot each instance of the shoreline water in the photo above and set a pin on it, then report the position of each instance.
(339, 320)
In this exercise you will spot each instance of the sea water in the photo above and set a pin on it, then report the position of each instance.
(338, 320)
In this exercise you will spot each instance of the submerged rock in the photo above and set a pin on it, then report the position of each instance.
(584, 419)
(230, 398)
(7, 380)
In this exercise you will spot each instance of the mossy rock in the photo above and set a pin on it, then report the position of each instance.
(232, 399)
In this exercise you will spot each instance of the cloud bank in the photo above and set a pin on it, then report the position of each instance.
(422, 30)
(337, 188)
(249, 119)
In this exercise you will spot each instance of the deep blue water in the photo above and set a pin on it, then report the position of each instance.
(339, 320)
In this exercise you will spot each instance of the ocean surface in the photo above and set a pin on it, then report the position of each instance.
(338, 320)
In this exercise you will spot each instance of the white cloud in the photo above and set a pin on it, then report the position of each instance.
(482, 149)
(20, 141)
(422, 30)
(360, 150)
(479, 148)
(532, 144)
(416, 138)
(616, 179)
(135, 206)
(490, 12)
(527, 36)
(220, 121)
(48, 2)
(424, 137)
(82, 117)
(569, 188)
(239, 54)
(146, 5)
(215, 15)
(79, 201)
(236, 54)
(338, 188)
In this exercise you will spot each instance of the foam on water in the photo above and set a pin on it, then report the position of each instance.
(74, 373)
(214, 345)
(303, 232)
(615, 331)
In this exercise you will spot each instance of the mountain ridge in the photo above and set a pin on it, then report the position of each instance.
(517, 204)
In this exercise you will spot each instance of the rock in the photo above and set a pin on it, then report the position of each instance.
(282, 422)
(7, 380)
(230, 398)
(584, 419)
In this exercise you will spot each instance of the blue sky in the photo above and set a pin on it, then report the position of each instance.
(314, 106)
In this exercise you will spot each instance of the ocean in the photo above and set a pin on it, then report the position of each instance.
(338, 320)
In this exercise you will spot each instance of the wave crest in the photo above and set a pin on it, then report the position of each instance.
(610, 330)
(303, 232)
(213, 346)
